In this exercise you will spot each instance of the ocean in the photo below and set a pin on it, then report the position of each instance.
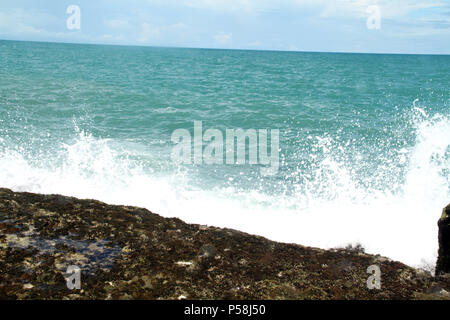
(363, 153)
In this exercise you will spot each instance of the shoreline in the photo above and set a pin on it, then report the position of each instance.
(127, 252)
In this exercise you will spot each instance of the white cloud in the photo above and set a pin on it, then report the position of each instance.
(26, 23)
(117, 24)
(110, 38)
(171, 33)
(357, 8)
(246, 6)
(176, 27)
(148, 33)
(327, 8)
(223, 38)
(20, 24)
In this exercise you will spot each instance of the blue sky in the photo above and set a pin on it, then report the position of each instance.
(407, 26)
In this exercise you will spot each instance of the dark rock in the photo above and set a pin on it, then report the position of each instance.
(131, 253)
(443, 262)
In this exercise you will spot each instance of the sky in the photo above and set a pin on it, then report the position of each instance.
(369, 26)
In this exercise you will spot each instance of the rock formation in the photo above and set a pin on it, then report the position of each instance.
(443, 262)
(130, 253)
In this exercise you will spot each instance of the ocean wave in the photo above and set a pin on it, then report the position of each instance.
(330, 208)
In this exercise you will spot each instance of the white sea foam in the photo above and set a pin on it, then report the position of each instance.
(399, 222)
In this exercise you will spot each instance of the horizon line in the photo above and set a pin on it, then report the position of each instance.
(224, 49)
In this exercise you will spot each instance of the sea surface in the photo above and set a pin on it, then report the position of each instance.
(364, 140)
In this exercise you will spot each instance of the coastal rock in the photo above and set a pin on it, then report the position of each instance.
(131, 253)
(443, 262)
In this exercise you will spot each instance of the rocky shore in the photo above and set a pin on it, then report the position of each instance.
(130, 253)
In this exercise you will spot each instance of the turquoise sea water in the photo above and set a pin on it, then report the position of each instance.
(364, 139)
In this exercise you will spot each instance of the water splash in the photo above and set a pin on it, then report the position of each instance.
(331, 205)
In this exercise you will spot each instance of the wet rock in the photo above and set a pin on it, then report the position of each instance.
(131, 253)
(443, 262)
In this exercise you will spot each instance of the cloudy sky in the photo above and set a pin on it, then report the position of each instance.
(404, 26)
